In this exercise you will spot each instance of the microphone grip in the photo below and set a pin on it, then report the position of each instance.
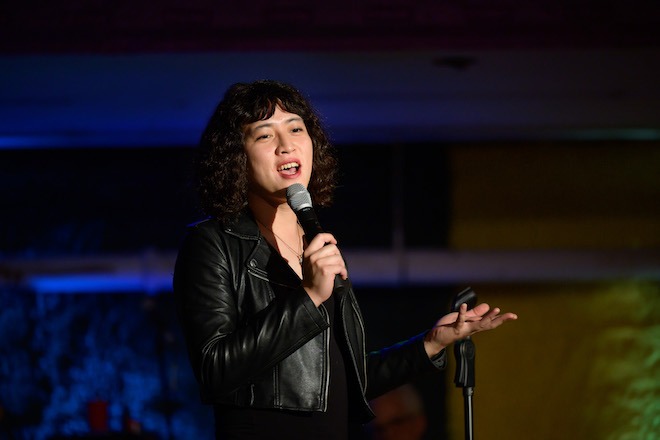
(309, 222)
(311, 226)
(466, 296)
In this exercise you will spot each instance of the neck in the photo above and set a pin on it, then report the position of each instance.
(279, 224)
(277, 216)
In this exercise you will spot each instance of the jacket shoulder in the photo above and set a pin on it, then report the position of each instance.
(242, 227)
(205, 224)
(208, 229)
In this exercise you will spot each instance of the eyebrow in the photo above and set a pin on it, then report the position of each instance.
(268, 124)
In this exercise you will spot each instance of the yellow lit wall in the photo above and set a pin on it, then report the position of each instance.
(566, 196)
(583, 360)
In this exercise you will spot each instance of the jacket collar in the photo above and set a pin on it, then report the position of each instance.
(263, 262)
(244, 226)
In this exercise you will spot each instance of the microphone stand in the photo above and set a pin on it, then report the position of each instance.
(464, 351)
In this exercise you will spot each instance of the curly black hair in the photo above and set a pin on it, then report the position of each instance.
(221, 164)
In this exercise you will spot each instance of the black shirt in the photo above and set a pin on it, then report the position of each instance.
(235, 423)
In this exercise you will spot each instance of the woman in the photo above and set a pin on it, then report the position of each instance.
(277, 351)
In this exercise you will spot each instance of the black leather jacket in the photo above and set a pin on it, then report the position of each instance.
(254, 336)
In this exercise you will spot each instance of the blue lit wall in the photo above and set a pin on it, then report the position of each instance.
(59, 353)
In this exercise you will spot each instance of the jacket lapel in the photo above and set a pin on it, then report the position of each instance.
(264, 262)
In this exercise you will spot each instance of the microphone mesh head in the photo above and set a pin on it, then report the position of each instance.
(298, 197)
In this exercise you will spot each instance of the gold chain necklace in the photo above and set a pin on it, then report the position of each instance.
(298, 254)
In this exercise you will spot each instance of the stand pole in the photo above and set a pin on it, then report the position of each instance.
(467, 406)
(464, 352)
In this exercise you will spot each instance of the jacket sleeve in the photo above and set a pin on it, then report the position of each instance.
(228, 350)
(393, 366)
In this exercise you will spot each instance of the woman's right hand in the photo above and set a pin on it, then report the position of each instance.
(322, 262)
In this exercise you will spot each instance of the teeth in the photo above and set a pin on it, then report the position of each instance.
(286, 166)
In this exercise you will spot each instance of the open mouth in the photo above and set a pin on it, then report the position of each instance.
(289, 168)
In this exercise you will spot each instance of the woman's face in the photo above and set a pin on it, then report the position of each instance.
(279, 153)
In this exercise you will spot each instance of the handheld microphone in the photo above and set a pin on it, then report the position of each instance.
(300, 201)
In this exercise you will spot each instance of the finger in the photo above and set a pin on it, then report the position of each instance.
(314, 254)
(497, 320)
(505, 317)
(336, 262)
(329, 269)
(492, 313)
(478, 311)
(327, 257)
(344, 273)
(327, 254)
(321, 240)
(460, 319)
(488, 318)
(448, 319)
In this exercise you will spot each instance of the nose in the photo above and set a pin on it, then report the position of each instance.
(284, 145)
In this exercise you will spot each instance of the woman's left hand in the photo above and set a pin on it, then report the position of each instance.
(459, 325)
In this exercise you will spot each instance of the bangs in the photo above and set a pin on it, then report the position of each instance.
(264, 107)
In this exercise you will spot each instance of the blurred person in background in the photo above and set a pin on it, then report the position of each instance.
(399, 414)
